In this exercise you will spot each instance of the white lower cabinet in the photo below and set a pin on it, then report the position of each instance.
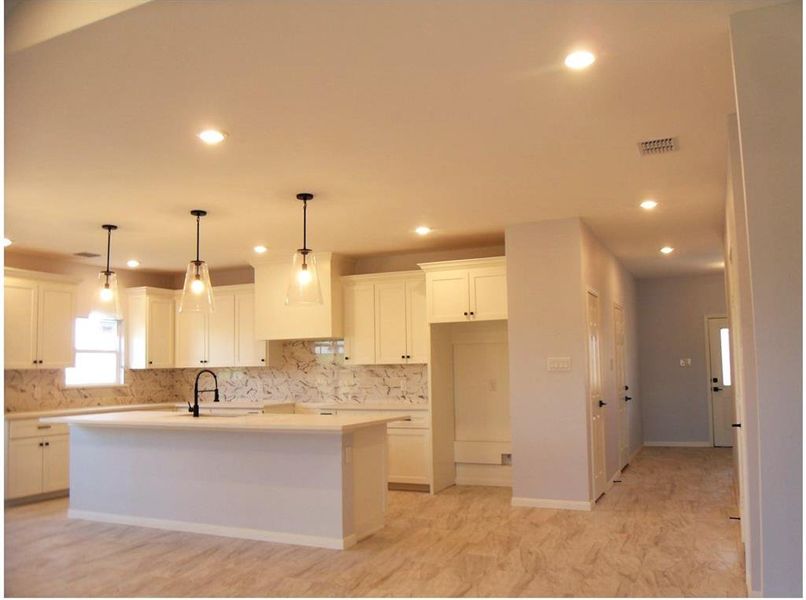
(37, 458)
(408, 455)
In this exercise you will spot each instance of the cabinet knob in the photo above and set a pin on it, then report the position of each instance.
(472, 313)
(346, 358)
(34, 361)
(465, 313)
(402, 356)
(41, 444)
(408, 356)
(47, 443)
(41, 361)
(151, 362)
(262, 360)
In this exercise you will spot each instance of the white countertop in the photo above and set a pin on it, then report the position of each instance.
(255, 423)
(87, 410)
(239, 404)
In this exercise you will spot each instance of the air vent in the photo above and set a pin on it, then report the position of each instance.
(658, 146)
(87, 254)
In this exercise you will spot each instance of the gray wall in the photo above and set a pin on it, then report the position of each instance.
(671, 326)
(767, 64)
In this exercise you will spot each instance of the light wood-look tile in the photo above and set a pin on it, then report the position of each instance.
(664, 531)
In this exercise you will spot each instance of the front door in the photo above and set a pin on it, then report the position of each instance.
(720, 384)
(597, 404)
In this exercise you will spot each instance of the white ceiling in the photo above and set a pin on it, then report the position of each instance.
(457, 115)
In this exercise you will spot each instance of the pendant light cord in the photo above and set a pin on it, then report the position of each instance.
(198, 220)
(305, 225)
(108, 250)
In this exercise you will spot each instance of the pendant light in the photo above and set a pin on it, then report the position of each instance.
(106, 302)
(197, 293)
(303, 286)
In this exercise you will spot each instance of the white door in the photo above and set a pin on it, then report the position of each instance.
(622, 394)
(597, 404)
(417, 338)
(221, 332)
(450, 296)
(251, 351)
(56, 326)
(56, 463)
(359, 324)
(24, 467)
(721, 382)
(20, 324)
(390, 323)
(160, 345)
(191, 335)
(488, 294)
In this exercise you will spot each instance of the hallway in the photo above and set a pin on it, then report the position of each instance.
(663, 531)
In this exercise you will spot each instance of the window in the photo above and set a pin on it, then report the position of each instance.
(724, 340)
(99, 359)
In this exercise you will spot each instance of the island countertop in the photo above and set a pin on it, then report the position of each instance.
(255, 423)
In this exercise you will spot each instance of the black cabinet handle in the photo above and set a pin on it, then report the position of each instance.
(627, 398)
(735, 424)
(41, 445)
(408, 356)
(465, 313)
(602, 403)
(34, 362)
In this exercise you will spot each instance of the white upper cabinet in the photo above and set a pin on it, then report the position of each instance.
(39, 321)
(150, 328)
(359, 323)
(275, 320)
(384, 319)
(226, 336)
(466, 290)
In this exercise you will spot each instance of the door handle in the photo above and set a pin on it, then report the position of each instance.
(717, 389)
(627, 398)
(735, 424)
(602, 403)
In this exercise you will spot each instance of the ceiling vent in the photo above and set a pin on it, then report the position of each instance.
(658, 146)
(87, 254)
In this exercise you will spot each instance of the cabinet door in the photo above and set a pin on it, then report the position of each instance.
(359, 324)
(417, 338)
(191, 335)
(56, 463)
(390, 322)
(56, 326)
(251, 351)
(24, 467)
(221, 332)
(448, 294)
(160, 340)
(20, 324)
(488, 294)
(407, 455)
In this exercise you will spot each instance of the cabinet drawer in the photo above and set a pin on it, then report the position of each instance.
(33, 428)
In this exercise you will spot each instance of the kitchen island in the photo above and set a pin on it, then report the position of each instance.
(292, 478)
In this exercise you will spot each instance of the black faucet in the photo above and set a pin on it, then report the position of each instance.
(196, 391)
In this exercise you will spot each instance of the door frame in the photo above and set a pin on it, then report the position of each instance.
(708, 389)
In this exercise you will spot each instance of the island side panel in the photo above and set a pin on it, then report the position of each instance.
(365, 480)
(276, 486)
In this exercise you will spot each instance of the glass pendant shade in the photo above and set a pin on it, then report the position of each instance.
(197, 293)
(106, 300)
(303, 285)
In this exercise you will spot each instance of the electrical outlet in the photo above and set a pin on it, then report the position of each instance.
(685, 362)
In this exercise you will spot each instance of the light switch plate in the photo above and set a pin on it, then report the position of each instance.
(685, 362)
(558, 363)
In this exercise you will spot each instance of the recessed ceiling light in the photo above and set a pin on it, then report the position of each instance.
(666, 250)
(648, 204)
(6, 242)
(132, 263)
(581, 59)
(212, 136)
(422, 230)
(261, 249)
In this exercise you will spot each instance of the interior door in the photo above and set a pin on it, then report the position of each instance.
(56, 329)
(622, 389)
(221, 332)
(20, 324)
(721, 382)
(597, 404)
(390, 323)
(359, 324)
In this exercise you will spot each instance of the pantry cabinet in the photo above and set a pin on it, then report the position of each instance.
(224, 337)
(466, 290)
(384, 319)
(150, 328)
(39, 319)
(37, 460)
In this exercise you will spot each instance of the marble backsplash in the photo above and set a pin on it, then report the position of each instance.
(303, 376)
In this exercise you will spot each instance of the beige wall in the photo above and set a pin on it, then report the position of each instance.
(767, 62)
(408, 261)
(671, 326)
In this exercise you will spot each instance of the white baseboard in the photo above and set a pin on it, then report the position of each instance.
(220, 530)
(550, 503)
(483, 481)
(680, 444)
